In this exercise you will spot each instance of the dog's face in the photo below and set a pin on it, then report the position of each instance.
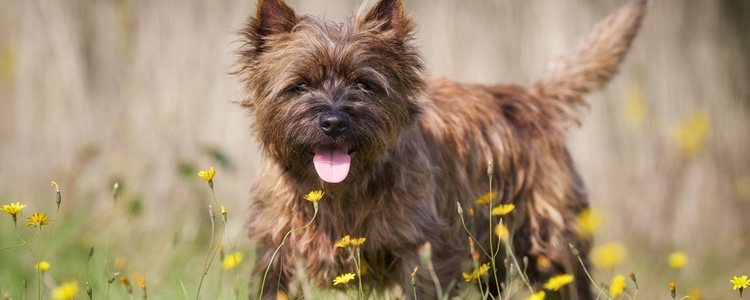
(329, 98)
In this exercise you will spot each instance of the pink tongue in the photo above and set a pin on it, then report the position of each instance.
(332, 164)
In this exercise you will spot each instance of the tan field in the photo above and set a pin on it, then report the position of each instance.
(140, 93)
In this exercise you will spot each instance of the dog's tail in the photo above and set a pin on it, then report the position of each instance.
(590, 65)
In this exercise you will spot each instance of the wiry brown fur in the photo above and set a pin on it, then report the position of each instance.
(419, 147)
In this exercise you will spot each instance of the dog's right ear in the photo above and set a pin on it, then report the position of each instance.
(274, 17)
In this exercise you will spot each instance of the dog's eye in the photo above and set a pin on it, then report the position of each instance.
(298, 88)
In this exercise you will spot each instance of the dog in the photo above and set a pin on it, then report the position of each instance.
(346, 108)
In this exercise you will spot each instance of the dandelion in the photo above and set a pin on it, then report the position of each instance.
(232, 260)
(344, 242)
(740, 282)
(356, 242)
(691, 134)
(537, 296)
(208, 175)
(502, 209)
(608, 255)
(557, 282)
(314, 196)
(485, 199)
(13, 209)
(543, 262)
(672, 289)
(142, 284)
(344, 279)
(37, 220)
(66, 291)
(617, 286)
(477, 273)
(588, 221)
(42, 266)
(502, 232)
(694, 294)
(677, 259)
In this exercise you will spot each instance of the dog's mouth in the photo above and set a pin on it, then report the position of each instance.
(332, 162)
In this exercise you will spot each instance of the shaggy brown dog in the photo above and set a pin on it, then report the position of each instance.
(345, 107)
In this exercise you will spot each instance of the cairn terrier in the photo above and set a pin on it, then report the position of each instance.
(346, 108)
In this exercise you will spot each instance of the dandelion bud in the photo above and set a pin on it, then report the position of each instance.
(414, 276)
(574, 250)
(632, 277)
(58, 195)
(91, 252)
(115, 191)
(211, 212)
(114, 276)
(223, 211)
(490, 168)
(460, 209)
(672, 289)
(89, 291)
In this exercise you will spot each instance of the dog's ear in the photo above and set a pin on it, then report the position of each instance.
(386, 15)
(274, 17)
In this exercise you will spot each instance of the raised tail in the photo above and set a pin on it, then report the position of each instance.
(593, 62)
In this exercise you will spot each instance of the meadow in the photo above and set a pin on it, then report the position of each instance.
(138, 94)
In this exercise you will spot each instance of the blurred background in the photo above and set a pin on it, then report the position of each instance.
(94, 92)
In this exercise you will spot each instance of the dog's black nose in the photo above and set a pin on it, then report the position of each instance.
(333, 124)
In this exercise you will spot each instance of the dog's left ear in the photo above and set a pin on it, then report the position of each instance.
(386, 15)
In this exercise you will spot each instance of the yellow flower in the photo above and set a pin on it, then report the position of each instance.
(537, 296)
(344, 279)
(502, 232)
(691, 133)
(478, 273)
(42, 266)
(207, 175)
(37, 220)
(232, 260)
(66, 291)
(344, 242)
(13, 208)
(677, 259)
(502, 209)
(588, 221)
(740, 282)
(485, 199)
(314, 196)
(356, 242)
(142, 283)
(608, 255)
(635, 106)
(694, 294)
(557, 282)
(617, 286)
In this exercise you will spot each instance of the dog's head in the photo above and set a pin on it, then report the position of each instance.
(328, 96)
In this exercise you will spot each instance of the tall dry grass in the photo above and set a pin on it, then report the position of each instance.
(93, 92)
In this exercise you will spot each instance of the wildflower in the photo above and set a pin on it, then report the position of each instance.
(557, 282)
(126, 282)
(232, 260)
(502, 232)
(691, 134)
(543, 262)
(13, 209)
(42, 266)
(677, 259)
(344, 279)
(37, 220)
(477, 273)
(314, 196)
(617, 286)
(588, 221)
(740, 282)
(142, 284)
(66, 291)
(694, 294)
(502, 209)
(672, 289)
(356, 242)
(485, 199)
(208, 175)
(537, 296)
(635, 106)
(608, 255)
(344, 242)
